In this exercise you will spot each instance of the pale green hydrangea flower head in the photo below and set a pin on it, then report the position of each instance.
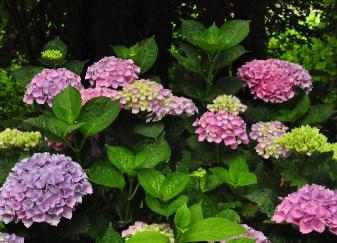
(228, 103)
(15, 139)
(304, 139)
(200, 173)
(333, 148)
(52, 54)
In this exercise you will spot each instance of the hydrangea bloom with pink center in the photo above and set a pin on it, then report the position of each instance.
(11, 238)
(273, 80)
(112, 72)
(266, 133)
(258, 236)
(43, 188)
(182, 106)
(88, 94)
(221, 126)
(312, 208)
(48, 83)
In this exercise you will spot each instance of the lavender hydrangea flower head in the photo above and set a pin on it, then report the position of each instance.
(112, 72)
(228, 103)
(146, 96)
(312, 208)
(266, 133)
(139, 226)
(221, 126)
(11, 238)
(182, 106)
(273, 80)
(48, 83)
(88, 94)
(258, 236)
(43, 188)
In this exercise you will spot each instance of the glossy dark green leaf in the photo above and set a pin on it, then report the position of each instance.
(122, 158)
(151, 130)
(173, 184)
(151, 180)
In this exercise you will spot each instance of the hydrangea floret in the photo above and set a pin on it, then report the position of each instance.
(43, 188)
(48, 83)
(228, 103)
(304, 139)
(199, 173)
(88, 94)
(112, 72)
(52, 54)
(182, 106)
(274, 80)
(312, 208)
(266, 133)
(15, 139)
(139, 226)
(258, 236)
(217, 127)
(10, 238)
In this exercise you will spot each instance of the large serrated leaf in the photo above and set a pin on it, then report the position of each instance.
(151, 180)
(173, 185)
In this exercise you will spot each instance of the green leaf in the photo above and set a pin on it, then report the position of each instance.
(225, 85)
(182, 218)
(173, 185)
(121, 51)
(239, 174)
(292, 115)
(230, 215)
(318, 114)
(76, 66)
(152, 154)
(188, 57)
(151, 180)
(242, 240)
(227, 57)
(191, 29)
(196, 213)
(110, 236)
(51, 127)
(57, 44)
(218, 177)
(67, 105)
(264, 199)
(144, 54)
(234, 31)
(122, 158)
(155, 205)
(98, 114)
(148, 237)
(174, 205)
(151, 130)
(104, 173)
(211, 229)
(25, 74)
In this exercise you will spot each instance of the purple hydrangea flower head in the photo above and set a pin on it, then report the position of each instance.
(140, 226)
(266, 133)
(221, 126)
(258, 236)
(112, 72)
(182, 106)
(88, 94)
(312, 208)
(11, 238)
(43, 188)
(48, 83)
(273, 80)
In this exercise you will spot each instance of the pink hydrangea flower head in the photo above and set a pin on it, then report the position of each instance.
(221, 127)
(43, 188)
(182, 106)
(266, 133)
(139, 226)
(273, 80)
(258, 236)
(112, 72)
(11, 238)
(48, 83)
(146, 96)
(311, 208)
(88, 94)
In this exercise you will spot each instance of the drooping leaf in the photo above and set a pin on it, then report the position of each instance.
(173, 185)
(98, 114)
(152, 130)
(104, 173)
(122, 158)
(151, 180)
(211, 229)
(67, 105)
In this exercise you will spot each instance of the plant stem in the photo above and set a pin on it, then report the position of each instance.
(129, 198)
